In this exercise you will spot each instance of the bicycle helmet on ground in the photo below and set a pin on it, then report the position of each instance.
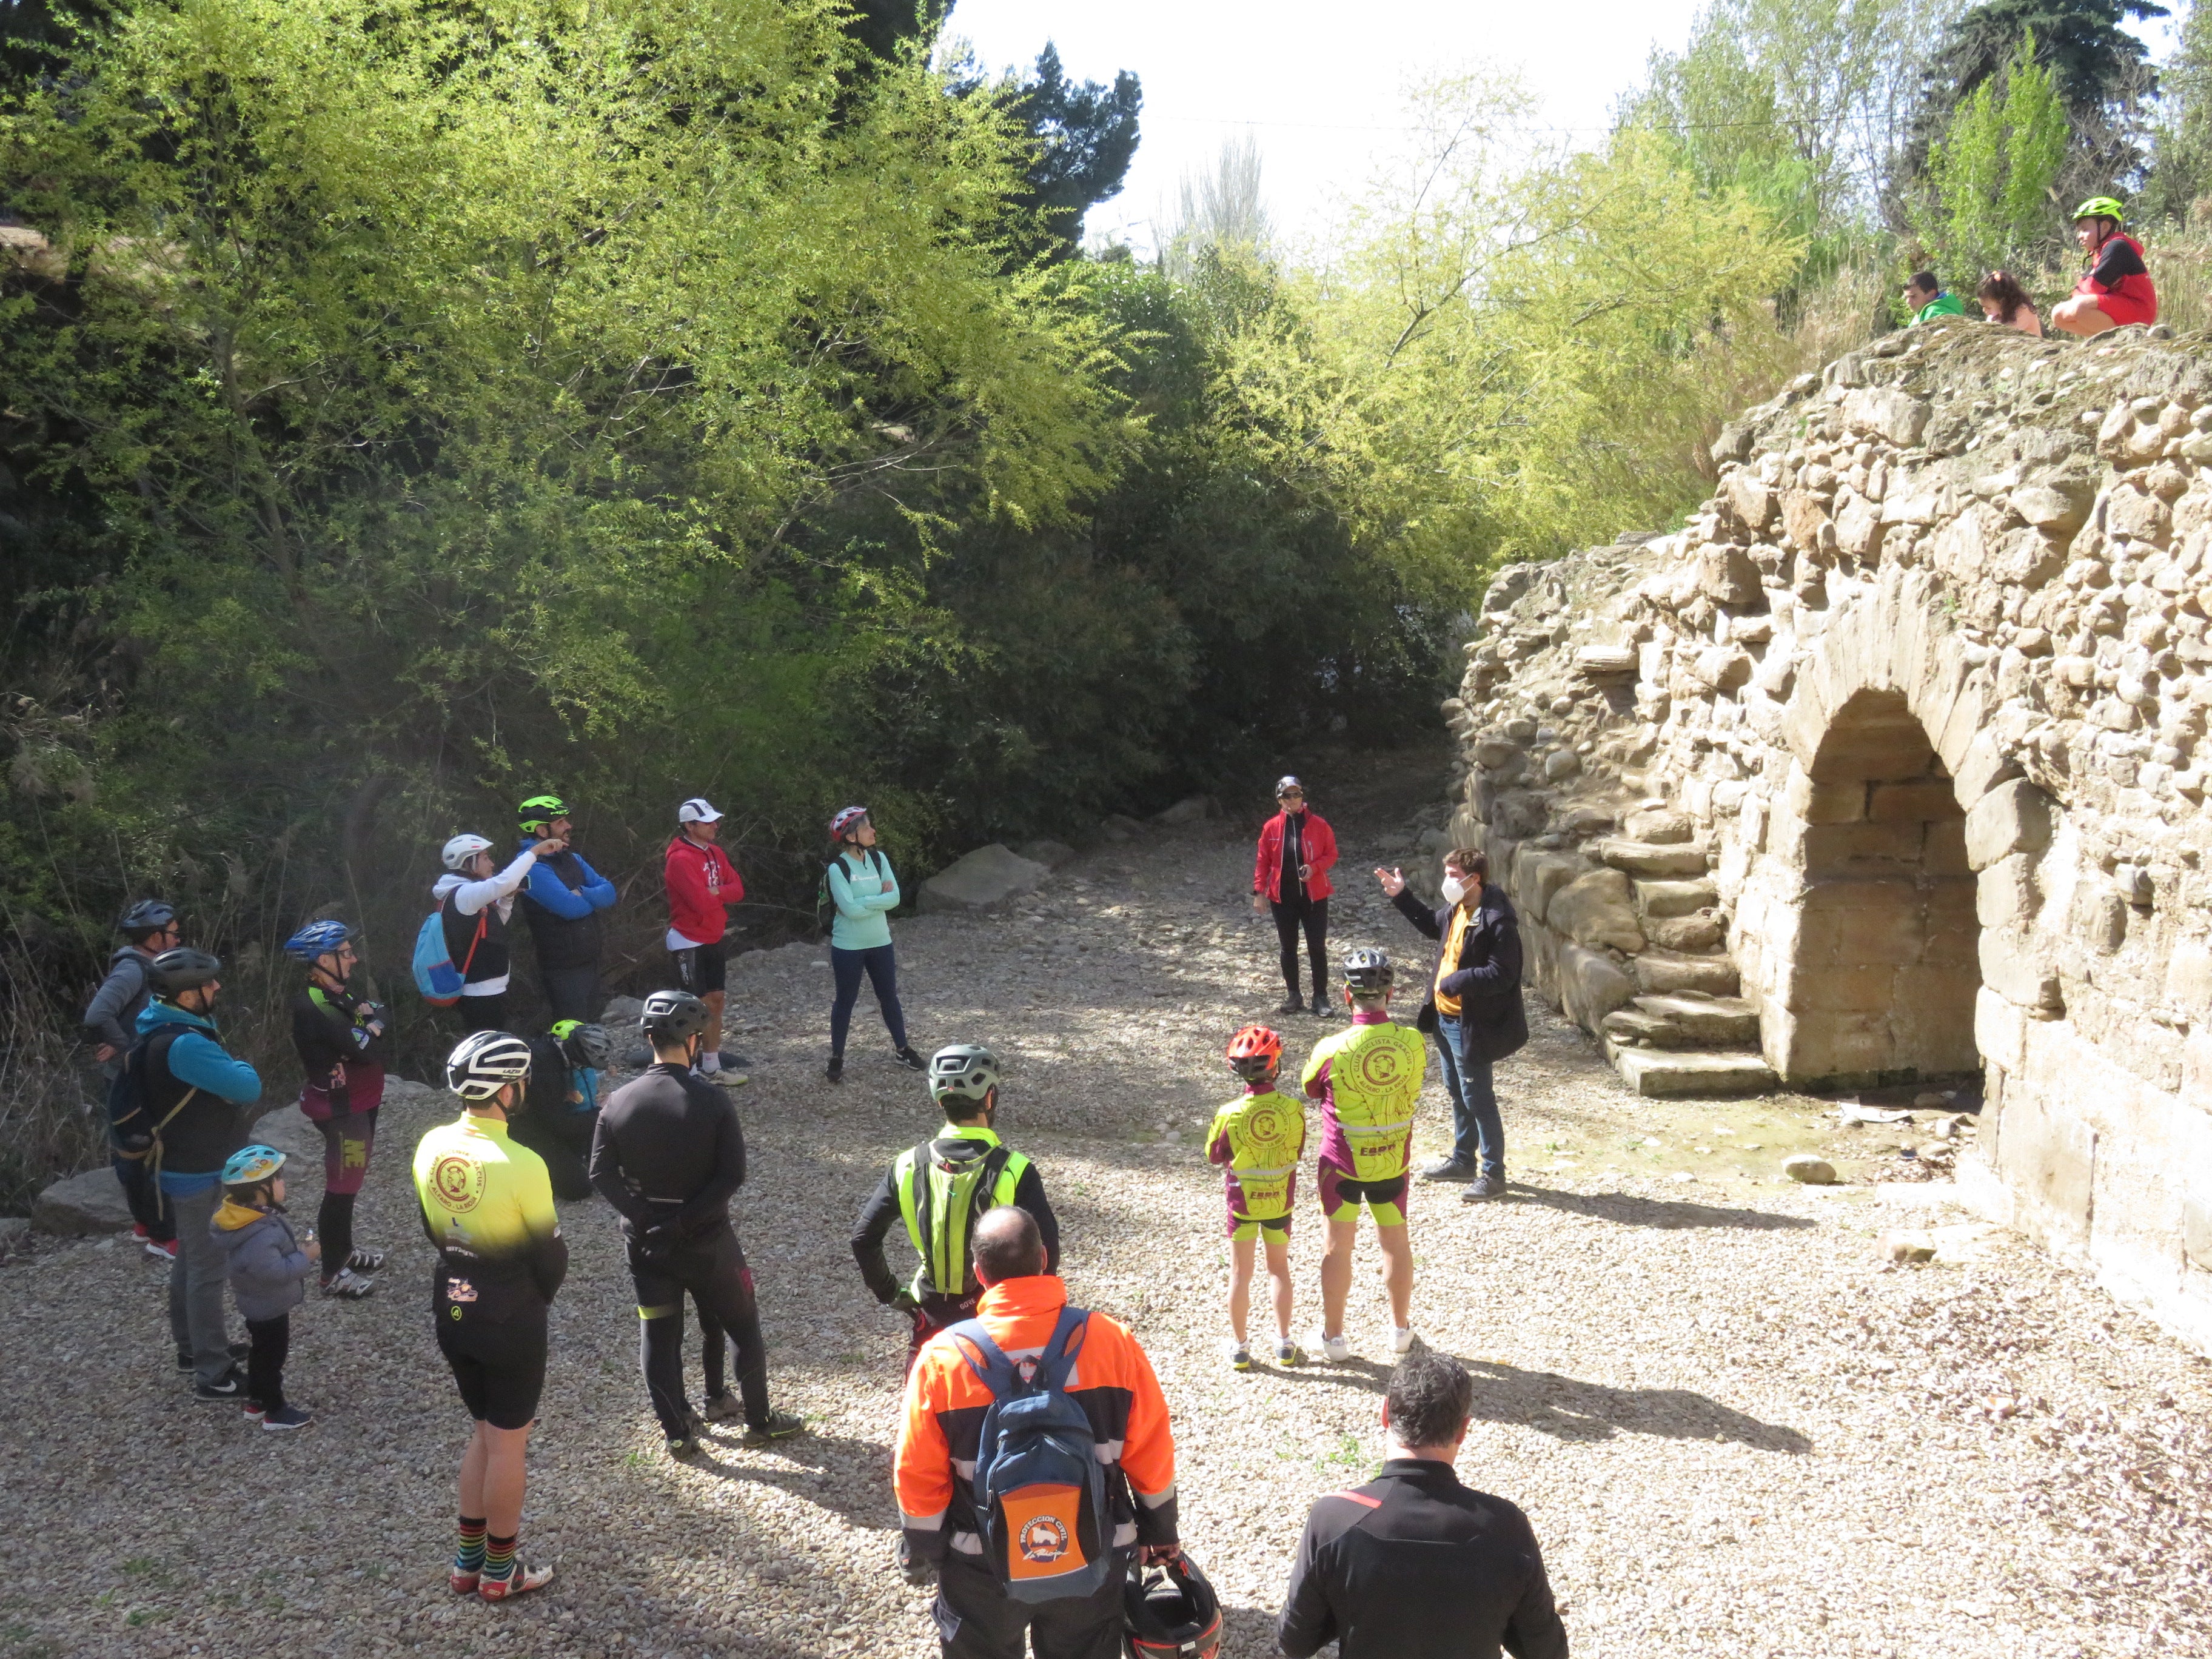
(185, 969)
(963, 1071)
(2102, 207)
(249, 1166)
(147, 916)
(1170, 1612)
(845, 820)
(672, 1017)
(585, 1044)
(539, 811)
(484, 1062)
(1255, 1052)
(459, 850)
(1367, 971)
(318, 938)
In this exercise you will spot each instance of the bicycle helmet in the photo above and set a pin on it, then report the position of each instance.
(484, 1062)
(845, 820)
(2102, 207)
(459, 850)
(1287, 783)
(539, 811)
(147, 916)
(318, 938)
(672, 1017)
(249, 1166)
(1367, 971)
(1255, 1052)
(584, 1044)
(1170, 1611)
(963, 1071)
(185, 969)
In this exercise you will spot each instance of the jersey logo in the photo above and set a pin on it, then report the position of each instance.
(1383, 1066)
(459, 1181)
(459, 1290)
(1044, 1540)
(1270, 1131)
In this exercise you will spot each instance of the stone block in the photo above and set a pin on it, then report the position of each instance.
(1820, 987)
(2013, 818)
(1823, 803)
(2013, 967)
(986, 877)
(1726, 574)
(1659, 1073)
(1837, 849)
(2142, 518)
(1721, 667)
(1944, 853)
(1859, 529)
(2000, 1031)
(1661, 825)
(1649, 859)
(2005, 894)
(1749, 501)
(1886, 412)
(1658, 971)
(1596, 911)
(1590, 986)
(1538, 876)
(2051, 1161)
(2060, 506)
(1804, 516)
(2188, 978)
(1659, 899)
(1701, 1020)
(82, 1205)
(1700, 931)
(1932, 798)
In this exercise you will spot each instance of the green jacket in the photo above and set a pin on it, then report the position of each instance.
(1946, 304)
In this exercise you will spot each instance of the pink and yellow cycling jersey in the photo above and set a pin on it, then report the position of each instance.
(1367, 1079)
(1259, 1139)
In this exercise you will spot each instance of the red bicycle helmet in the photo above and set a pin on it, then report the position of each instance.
(845, 820)
(1171, 1611)
(1255, 1052)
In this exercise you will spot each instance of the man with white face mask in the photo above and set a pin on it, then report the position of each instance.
(1473, 1009)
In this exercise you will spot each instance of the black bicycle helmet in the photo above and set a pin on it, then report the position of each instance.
(185, 969)
(585, 1043)
(1369, 971)
(1171, 1610)
(147, 916)
(672, 1017)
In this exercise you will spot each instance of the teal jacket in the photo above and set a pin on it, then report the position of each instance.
(864, 889)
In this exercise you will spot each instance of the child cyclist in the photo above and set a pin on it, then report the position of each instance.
(339, 1037)
(1259, 1139)
(2117, 289)
(268, 1269)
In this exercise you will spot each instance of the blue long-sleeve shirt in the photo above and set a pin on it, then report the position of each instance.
(545, 887)
(198, 1060)
(863, 892)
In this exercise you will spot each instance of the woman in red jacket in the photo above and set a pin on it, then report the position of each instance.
(1290, 877)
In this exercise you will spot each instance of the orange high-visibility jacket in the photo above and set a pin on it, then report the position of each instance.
(935, 1463)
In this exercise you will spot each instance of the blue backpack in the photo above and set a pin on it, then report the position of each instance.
(435, 977)
(1041, 1496)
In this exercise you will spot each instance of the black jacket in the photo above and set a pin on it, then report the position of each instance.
(1415, 1565)
(667, 1152)
(1486, 978)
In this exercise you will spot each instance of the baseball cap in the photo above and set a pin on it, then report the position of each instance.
(697, 810)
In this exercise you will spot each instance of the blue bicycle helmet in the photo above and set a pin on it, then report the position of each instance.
(318, 938)
(249, 1166)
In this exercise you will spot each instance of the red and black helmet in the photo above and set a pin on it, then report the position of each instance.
(1170, 1612)
(1255, 1051)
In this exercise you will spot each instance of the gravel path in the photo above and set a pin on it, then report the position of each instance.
(1737, 1431)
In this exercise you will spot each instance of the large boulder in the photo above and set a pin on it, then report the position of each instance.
(1192, 809)
(982, 878)
(1050, 854)
(82, 1205)
(1597, 911)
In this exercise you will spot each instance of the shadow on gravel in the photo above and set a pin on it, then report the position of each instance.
(1569, 1410)
(830, 1472)
(1627, 1211)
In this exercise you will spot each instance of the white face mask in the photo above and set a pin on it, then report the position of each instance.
(1454, 890)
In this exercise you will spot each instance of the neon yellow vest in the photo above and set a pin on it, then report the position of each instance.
(941, 1199)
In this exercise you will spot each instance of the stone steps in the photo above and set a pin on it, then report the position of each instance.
(1655, 1073)
(1684, 1019)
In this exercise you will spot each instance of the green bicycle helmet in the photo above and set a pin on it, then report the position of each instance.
(539, 811)
(2102, 207)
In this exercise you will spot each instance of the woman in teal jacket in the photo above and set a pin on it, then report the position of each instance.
(865, 891)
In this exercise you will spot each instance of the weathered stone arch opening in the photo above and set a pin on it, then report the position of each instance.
(1878, 984)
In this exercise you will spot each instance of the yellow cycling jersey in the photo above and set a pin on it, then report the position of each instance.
(1260, 1138)
(481, 1193)
(1368, 1078)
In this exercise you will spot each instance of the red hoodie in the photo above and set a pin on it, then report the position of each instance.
(702, 884)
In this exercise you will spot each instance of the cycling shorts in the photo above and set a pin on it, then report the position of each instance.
(500, 1367)
(1243, 1227)
(1385, 1199)
(703, 968)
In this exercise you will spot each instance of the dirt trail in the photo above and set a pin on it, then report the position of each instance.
(1735, 1429)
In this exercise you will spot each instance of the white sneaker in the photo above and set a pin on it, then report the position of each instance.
(1401, 1339)
(1335, 1347)
(349, 1285)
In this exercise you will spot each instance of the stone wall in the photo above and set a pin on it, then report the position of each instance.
(1892, 765)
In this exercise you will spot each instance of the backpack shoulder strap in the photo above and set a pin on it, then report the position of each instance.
(995, 1371)
(1057, 1362)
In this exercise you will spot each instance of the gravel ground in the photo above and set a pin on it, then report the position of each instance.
(1736, 1428)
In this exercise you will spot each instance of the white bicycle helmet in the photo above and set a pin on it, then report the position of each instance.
(484, 1062)
(459, 850)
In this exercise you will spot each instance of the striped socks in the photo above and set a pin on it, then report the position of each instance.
(470, 1556)
(498, 1557)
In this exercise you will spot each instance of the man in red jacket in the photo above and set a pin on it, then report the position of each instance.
(702, 884)
(1290, 876)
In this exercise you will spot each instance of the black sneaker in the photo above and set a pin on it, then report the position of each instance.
(1483, 1187)
(911, 1061)
(230, 1386)
(1292, 1006)
(781, 1425)
(1448, 1169)
(836, 1071)
(681, 1447)
(1320, 1008)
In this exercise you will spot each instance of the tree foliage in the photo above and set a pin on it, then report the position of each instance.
(1987, 201)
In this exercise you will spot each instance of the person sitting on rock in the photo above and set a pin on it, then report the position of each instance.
(2004, 300)
(2116, 290)
(1928, 299)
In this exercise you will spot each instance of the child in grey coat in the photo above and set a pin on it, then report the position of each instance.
(269, 1270)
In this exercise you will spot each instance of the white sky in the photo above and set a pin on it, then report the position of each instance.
(1318, 86)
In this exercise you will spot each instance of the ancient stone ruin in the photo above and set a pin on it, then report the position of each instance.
(1892, 766)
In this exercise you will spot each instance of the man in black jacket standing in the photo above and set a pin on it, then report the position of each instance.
(1414, 1565)
(1473, 1009)
(669, 1156)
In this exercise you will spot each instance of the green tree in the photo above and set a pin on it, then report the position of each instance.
(2181, 158)
(1987, 196)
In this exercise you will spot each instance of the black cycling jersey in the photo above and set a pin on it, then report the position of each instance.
(1415, 1565)
(669, 1152)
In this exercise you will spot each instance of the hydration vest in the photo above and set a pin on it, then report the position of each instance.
(944, 1187)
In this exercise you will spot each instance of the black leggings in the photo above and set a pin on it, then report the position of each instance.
(1312, 914)
(713, 1270)
(880, 963)
(713, 1351)
(269, 1341)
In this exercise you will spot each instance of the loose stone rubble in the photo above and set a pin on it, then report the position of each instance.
(1890, 765)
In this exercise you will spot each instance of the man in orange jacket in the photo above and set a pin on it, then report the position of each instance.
(941, 1436)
